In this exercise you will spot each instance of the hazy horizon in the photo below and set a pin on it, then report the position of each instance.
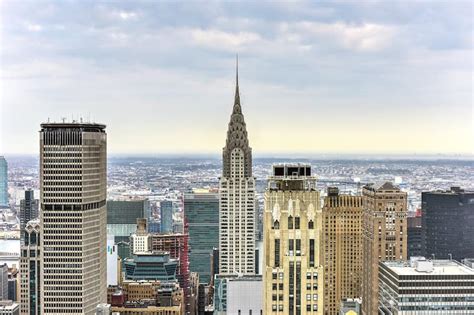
(372, 78)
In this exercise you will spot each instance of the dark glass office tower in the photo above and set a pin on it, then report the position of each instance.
(414, 236)
(201, 213)
(448, 223)
(28, 210)
(166, 214)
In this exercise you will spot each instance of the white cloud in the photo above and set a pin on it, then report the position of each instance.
(34, 27)
(126, 15)
(364, 37)
(220, 39)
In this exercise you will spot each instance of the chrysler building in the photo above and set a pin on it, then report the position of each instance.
(237, 198)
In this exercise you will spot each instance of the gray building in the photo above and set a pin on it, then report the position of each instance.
(4, 282)
(122, 217)
(448, 224)
(166, 215)
(235, 294)
(73, 191)
(421, 286)
(201, 214)
(3, 182)
(8, 307)
(28, 210)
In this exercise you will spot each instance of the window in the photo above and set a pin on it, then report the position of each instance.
(290, 222)
(277, 252)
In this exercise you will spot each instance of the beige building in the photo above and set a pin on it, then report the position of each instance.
(341, 248)
(384, 236)
(73, 189)
(292, 273)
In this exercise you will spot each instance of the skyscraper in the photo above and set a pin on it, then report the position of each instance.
(3, 182)
(237, 198)
(73, 191)
(201, 215)
(122, 217)
(30, 267)
(341, 248)
(4, 282)
(28, 210)
(414, 235)
(384, 236)
(166, 214)
(292, 273)
(448, 223)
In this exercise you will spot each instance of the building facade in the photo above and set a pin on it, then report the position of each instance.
(341, 248)
(448, 224)
(384, 236)
(201, 215)
(8, 307)
(177, 246)
(151, 266)
(73, 189)
(423, 286)
(4, 282)
(3, 182)
(415, 235)
(28, 210)
(292, 273)
(237, 225)
(140, 241)
(166, 215)
(122, 217)
(238, 295)
(30, 269)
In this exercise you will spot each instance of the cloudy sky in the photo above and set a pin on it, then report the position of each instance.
(325, 77)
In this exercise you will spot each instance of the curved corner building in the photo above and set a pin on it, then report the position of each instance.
(73, 189)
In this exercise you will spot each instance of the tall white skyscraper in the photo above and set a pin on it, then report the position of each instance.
(73, 189)
(237, 198)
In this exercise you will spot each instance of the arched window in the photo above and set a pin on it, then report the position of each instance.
(276, 225)
(290, 222)
(310, 224)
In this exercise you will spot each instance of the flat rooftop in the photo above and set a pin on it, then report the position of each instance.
(440, 267)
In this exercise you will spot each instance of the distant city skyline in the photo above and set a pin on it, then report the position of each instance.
(335, 78)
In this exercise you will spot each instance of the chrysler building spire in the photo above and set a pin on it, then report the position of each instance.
(237, 134)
